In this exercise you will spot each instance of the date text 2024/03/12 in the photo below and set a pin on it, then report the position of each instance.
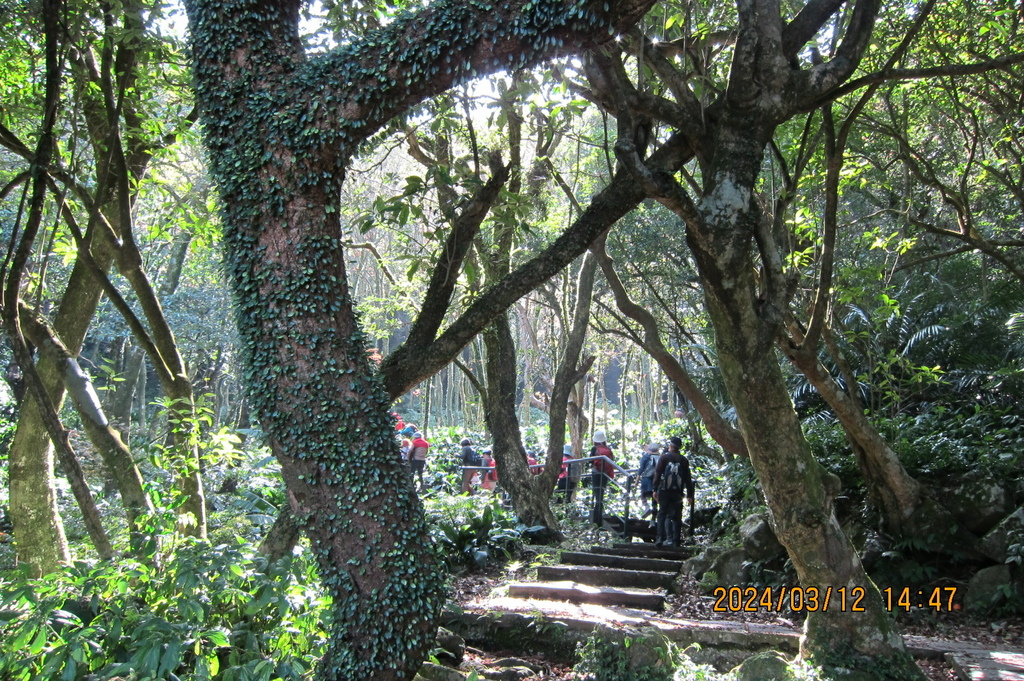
(829, 598)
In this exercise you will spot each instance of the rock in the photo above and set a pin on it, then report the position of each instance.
(980, 504)
(453, 646)
(508, 673)
(997, 542)
(640, 653)
(988, 587)
(759, 541)
(936, 529)
(730, 568)
(515, 662)
(696, 567)
(767, 666)
(435, 672)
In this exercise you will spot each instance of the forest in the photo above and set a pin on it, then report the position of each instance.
(258, 251)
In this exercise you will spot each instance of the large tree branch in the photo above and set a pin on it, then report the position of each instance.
(724, 434)
(893, 75)
(824, 77)
(349, 93)
(404, 367)
(806, 24)
(446, 272)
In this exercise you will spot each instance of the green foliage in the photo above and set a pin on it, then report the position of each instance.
(612, 657)
(207, 613)
(472, 530)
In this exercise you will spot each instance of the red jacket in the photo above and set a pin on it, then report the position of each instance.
(419, 449)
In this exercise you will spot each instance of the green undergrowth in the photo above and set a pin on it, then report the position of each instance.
(206, 613)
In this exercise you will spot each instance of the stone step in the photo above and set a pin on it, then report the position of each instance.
(601, 576)
(582, 593)
(621, 562)
(645, 551)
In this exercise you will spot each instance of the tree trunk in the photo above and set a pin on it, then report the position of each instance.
(530, 498)
(798, 490)
(105, 439)
(280, 128)
(37, 524)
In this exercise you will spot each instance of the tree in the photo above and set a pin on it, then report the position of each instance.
(280, 128)
(735, 228)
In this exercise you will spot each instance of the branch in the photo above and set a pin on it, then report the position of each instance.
(446, 272)
(890, 75)
(368, 246)
(403, 369)
(725, 435)
(359, 87)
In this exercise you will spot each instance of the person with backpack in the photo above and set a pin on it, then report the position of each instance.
(603, 471)
(671, 479)
(469, 458)
(648, 464)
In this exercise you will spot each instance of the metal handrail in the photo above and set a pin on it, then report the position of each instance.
(624, 471)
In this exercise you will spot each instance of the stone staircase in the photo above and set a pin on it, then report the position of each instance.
(626, 584)
(624, 575)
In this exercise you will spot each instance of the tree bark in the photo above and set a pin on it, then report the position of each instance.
(107, 441)
(280, 129)
(568, 376)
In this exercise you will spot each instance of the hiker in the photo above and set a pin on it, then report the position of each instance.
(566, 485)
(648, 464)
(490, 478)
(418, 456)
(671, 479)
(603, 471)
(406, 447)
(469, 458)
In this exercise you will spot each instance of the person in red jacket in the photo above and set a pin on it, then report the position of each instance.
(418, 456)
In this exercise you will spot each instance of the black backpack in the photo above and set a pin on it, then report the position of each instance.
(672, 479)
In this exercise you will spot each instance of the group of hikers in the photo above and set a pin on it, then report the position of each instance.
(664, 477)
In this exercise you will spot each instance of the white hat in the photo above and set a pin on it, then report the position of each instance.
(567, 448)
(653, 447)
(417, 434)
(599, 436)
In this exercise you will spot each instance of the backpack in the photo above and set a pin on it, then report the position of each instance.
(672, 479)
(601, 465)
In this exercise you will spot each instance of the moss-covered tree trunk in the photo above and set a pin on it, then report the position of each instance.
(37, 525)
(280, 129)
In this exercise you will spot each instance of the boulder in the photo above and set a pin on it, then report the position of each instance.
(453, 646)
(759, 541)
(767, 666)
(980, 504)
(730, 567)
(996, 544)
(435, 672)
(936, 529)
(696, 567)
(989, 587)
